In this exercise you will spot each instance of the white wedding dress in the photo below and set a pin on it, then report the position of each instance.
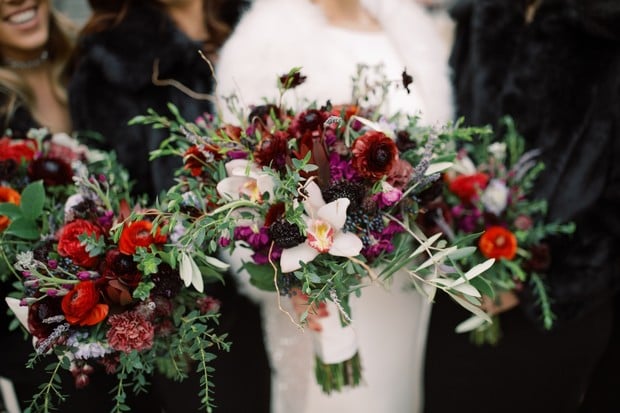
(390, 321)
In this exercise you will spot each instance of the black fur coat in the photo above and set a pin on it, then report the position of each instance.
(112, 83)
(559, 77)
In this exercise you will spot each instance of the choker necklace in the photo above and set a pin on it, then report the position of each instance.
(27, 64)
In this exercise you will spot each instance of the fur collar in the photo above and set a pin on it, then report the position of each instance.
(126, 52)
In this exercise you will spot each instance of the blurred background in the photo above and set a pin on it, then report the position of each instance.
(77, 10)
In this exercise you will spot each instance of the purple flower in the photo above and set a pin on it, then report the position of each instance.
(340, 169)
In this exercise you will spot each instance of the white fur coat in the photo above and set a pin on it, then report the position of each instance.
(277, 35)
(273, 37)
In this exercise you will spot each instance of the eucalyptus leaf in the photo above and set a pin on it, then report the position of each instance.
(470, 324)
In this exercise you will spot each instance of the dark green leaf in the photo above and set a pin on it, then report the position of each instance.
(33, 198)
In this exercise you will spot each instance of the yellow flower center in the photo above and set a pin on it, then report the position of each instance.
(321, 236)
(250, 189)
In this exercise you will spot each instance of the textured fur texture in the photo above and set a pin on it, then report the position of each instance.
(112, 84)
(559, 77)
(277, 35)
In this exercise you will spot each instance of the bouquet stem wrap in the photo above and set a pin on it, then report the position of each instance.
(337, 359)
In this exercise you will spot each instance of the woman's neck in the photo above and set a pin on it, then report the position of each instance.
(189, 18)
(48, 110)
(348, 14)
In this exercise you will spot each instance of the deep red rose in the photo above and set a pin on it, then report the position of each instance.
(468, 187)
(139, 234)
(53, 171)
(374, 155)
(69, 244)
(81, 305)
(8, 195)
(17, 150)
(498, 242)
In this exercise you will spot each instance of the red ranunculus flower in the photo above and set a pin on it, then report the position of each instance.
(468, 187)
(498, 242)
(22, 150)
(81, 305)
(138, 234)
(70, 246)
(53, 171)
(374, 155)
(8, 195)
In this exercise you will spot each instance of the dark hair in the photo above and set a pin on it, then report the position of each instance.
(220, 15)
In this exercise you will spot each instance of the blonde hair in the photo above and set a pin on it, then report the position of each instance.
(16, 92)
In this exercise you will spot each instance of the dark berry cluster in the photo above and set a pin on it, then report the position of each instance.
(353, 191)
(364, 225)
(285, 235)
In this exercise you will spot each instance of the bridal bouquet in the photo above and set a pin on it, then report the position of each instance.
(488, 200)
(99, 285)
(321, 202)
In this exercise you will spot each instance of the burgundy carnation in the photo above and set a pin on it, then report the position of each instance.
(130, 331)
(374, 155)
(70, 246)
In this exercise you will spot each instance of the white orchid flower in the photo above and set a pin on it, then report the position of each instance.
(324, 223)
(245, 178)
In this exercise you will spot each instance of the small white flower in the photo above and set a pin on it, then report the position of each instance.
(498, 151)
(463, 165)
(495, 197)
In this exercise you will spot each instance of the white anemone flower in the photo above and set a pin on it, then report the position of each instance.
(324, 223)
(495, 196)
(245, 178)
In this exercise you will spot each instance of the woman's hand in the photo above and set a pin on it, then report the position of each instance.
(300, 304)
(504, 301)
